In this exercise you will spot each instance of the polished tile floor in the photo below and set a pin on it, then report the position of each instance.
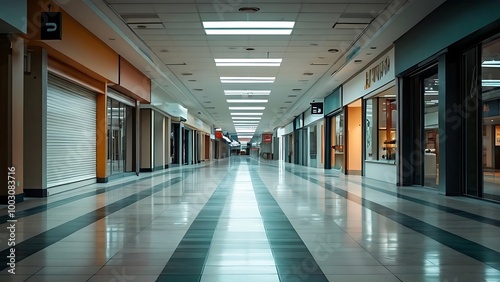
(244, 219)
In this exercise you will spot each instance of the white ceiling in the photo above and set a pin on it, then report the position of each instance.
(179, 56)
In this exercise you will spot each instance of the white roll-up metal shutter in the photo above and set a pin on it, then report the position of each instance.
(71, 132)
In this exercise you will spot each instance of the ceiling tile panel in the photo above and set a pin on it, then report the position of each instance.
(179, 17)
(245, 17)
(373, 9)
(220, 7)
(175, 8)
(323, 8)
(133, 8)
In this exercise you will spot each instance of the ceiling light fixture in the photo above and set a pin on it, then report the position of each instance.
(246, 114)
(248, 27)
(248, 62)
(491, 64)
(247, 92)
(229, 79)
(246, 118)
(491, 82)
(248, 31)
(247, 108)
(246, 100)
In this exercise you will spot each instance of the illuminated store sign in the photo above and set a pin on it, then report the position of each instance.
(377, 72)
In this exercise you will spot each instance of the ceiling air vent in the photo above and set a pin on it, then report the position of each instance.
(143, 21)
(249, 9)
(354, 21)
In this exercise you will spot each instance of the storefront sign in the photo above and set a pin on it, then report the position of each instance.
(218, 134)
(317, 108)
(374, 78)
(51, 26)
(376, 73)
(267, 138)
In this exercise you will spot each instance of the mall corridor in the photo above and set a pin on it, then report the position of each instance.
(247, 219)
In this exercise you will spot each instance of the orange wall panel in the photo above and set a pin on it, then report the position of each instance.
(78, 48)
(76, 76)
(133, 82)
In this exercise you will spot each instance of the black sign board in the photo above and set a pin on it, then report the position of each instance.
(51, 26)
(317, 108)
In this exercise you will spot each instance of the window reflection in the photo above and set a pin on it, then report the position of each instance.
(490, 84)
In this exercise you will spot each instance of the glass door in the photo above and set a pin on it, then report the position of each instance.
(430, 131)
(117, 136)
(490, 96)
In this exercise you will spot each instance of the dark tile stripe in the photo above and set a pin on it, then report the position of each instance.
(51, 205)
(293, 260)
(32, 245)
(454, 211)
(460, 244)
(188, 259)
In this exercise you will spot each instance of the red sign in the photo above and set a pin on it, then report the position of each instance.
(218, 134)
(267, 138)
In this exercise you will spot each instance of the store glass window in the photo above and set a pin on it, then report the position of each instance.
(490, 86)
(380, 134)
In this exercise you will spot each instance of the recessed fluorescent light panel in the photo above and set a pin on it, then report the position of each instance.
(246, 118)
(250, 79)
(245, 124)
(247, 92)
(245, 130)
(245, 136)
(491, 82)
(248, 27)
(248, 62)
(247, 108)
(491, 64)
(246, 100)
(246, 114)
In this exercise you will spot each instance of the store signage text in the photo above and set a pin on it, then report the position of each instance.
(377, 72)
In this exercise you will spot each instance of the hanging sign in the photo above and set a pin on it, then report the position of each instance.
(51, 26)
(316, 108)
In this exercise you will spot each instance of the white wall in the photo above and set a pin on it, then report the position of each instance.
(381, 171)
(288, 128)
